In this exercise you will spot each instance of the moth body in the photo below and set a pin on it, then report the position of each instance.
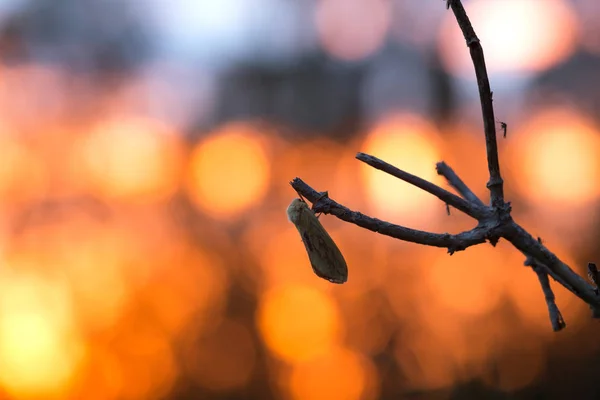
(325, 257)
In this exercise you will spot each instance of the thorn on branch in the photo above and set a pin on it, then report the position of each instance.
(448, 208)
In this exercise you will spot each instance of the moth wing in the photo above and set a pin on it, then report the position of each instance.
(325, 257)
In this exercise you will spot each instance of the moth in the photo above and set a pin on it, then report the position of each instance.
(325, 258)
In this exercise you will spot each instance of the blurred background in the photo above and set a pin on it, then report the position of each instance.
(146, 149)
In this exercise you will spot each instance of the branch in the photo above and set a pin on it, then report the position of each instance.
(495, 184)
(560, 271)
(495, 222)
(443, 169)
(323, 204)
(475, 211)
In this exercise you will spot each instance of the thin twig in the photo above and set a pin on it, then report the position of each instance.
(444, 169)
(463, 205)
(562, 273)
(495, 184)
(556, 318)
(453, 243)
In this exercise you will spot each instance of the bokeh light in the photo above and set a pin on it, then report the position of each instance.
(298, 323)
(469, 282)
(22, 175)
(556, 159)
(39, 349)
(517, 35)
(352, 29)
(411, 144)
(336, 374)
(229, 170)
(130, 158)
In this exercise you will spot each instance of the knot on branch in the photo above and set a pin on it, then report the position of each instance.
(321, 203)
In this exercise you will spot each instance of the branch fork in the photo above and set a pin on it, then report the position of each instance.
(494, 220)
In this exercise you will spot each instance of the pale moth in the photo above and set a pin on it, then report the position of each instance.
(325, 258)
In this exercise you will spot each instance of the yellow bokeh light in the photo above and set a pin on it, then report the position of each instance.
(411, 144)
(338, 374)
(39, 350)
(352, 29)
(133, 158)
(297, 322)
(516, 35)
(229, 171)
(557, 159)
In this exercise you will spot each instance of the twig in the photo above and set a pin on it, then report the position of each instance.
(556, 318)
(453, 243)
(457, 183)
(495, 184)
(463, 205)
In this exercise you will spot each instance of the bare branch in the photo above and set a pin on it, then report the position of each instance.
(323, 204)
(494, 223)
(495, 183)
(444, 169)
(560, 271)
(463, 205)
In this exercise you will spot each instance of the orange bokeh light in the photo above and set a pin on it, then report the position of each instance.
(229, 170)
(130, 158)
(352, 29)
(336, 374)
(469, 282)
(517, 35)
(145, 366)
(22, 175)
(464, 152)
(409, 143)
(298, 323)
(557, 158)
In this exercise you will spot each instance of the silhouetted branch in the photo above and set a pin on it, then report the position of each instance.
(495, 183)
(495, 221)
(323, 204)
(457, 183)
(465, 206)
